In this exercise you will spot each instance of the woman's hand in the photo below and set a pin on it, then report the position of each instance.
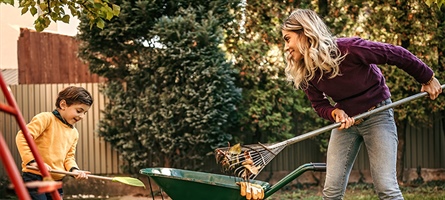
(340, 116)
(433, 88)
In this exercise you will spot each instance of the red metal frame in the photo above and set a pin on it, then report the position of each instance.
(6, 157)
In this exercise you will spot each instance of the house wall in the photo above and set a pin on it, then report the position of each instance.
(11, 20)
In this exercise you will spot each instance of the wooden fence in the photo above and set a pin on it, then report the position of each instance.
(51, 58)
(425, 147)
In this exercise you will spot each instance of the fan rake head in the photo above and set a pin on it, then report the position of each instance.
(246, 161)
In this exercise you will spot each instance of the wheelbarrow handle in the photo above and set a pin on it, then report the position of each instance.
(319, 167)
(293, 175)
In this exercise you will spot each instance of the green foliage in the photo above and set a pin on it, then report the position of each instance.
(271, 109)
(95, 10)
(172, 92)
(414, 26)
(439, 3)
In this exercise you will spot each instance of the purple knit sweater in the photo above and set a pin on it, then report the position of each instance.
(360, 84)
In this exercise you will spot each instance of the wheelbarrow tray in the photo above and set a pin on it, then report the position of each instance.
(182, 184)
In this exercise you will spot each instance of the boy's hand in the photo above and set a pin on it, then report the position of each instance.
(81, 174)
(34, 164)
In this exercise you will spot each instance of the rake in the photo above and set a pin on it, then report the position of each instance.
(125, 180)
(237, 159)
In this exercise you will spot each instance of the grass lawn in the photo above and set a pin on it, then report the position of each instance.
(425, 191)
(429, 191)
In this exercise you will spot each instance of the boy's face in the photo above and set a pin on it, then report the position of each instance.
(73, 113)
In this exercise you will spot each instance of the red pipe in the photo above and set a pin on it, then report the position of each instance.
(12, 170)
(21, 121)
(10, 110)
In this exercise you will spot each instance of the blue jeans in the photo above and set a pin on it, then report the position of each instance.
(379, 134)
(28, 177)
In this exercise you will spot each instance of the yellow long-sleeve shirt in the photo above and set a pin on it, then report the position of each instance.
(55, 141)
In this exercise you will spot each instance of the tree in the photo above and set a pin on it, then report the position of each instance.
(96, 11)
(171, 88)
(271, 109)
(439, 3)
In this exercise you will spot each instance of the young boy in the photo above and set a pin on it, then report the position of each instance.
(55, 137)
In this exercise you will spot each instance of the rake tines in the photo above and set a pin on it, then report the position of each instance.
(246, 161)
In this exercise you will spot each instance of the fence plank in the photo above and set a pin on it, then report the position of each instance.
(46, 58)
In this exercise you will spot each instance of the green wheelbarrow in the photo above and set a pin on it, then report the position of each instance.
(185, 185)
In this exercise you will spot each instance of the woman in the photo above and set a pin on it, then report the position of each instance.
(345, 69)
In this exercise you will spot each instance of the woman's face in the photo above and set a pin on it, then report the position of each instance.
(291, 39)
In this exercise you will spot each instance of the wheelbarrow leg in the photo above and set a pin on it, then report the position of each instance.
(151, 190)
(293, 175)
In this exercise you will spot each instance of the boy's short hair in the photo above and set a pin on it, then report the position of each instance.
(74, 95)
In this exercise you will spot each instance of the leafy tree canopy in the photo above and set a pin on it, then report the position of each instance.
(410, 24)
(97, 11)
(439, 3)
(270, 105)
(171, 91)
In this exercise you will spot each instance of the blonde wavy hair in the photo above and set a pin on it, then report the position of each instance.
(319, 49)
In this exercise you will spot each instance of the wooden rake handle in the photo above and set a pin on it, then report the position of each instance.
(71, 173)
(336, 125)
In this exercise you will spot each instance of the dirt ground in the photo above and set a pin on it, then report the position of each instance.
(130, 197)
